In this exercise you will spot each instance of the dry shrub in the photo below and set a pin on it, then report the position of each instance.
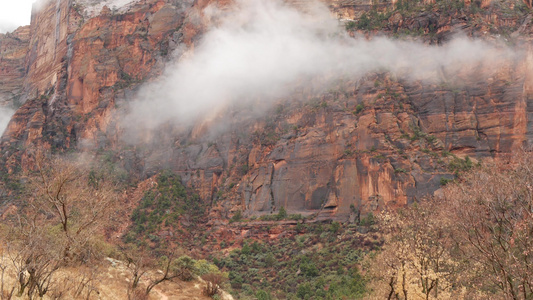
(213, 282)
(137, 294)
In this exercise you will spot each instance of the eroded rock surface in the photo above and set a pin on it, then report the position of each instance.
(13, 51)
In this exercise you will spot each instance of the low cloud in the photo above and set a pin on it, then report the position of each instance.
(265, 48)
(7, 27)
(94, 7)
(14, 14)
(5, 115)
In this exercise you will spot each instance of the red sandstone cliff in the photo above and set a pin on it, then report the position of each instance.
(13, 52)
(359, 146)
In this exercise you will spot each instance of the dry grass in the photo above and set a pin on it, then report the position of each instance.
(108, 280)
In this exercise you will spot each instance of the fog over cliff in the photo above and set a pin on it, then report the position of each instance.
(5, 116)
(14, 14)
(265, 48)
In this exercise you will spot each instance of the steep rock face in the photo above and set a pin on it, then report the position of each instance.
(13, 52)
(48, 46)
(45, 65)
(336, 160)
(75, 68)
(353, 149)
(113, 51)
(394, 151)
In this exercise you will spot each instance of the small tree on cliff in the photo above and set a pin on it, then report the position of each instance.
(282, 213)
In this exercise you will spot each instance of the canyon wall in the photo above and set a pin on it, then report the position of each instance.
(355, 148)
(13, 51)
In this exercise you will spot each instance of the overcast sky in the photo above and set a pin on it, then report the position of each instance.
(14, 13)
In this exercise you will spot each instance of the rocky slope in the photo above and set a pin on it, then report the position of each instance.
(352, 149)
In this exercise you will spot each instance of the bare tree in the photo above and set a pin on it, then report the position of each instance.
(6, 293)
(475, 241)
(72, 194)
(84, 285)
(57, 225)
(416, 262)
(34, 256)
(492, 209)
(140, 262)
(169, 272)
